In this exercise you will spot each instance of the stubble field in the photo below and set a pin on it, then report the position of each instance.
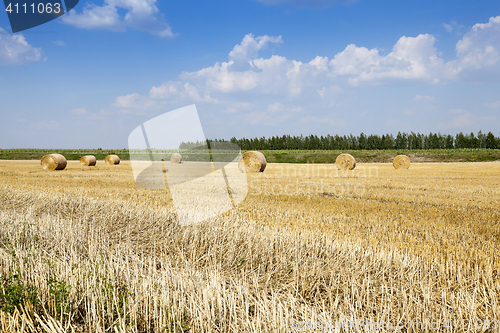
(86, 250)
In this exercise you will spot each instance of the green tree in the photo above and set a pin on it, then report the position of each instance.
(461, 141)
(473, 141)
(362, 141)
(401, 141)
(490, 141)
(449, 142)
(389, 141)
(482, 139)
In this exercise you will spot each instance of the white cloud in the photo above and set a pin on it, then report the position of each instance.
(58, 42)
(411, 58)
(478, 49)
(96, 17)
(249, 49)
(140, 14)
(355, 60)
(320, 63)
(178, 91)
(221, 78)
(271, 85)
(15, 50)
(166, 90)
(448, 27)
(167, 93)
(134, 101)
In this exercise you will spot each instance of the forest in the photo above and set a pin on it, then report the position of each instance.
(402, 141)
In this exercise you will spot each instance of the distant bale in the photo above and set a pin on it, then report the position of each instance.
(112, 160)
(176, 158)
(401, 162)
(252, 161)
(54, 162)
(345, 162)
(88, 160)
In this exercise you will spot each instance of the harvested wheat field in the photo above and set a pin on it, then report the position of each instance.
(86, 250)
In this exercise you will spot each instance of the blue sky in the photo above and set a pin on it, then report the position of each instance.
(252, 67)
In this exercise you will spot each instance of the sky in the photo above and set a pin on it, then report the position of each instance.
(253, 68)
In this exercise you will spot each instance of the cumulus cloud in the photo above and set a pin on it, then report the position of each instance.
(479, 49)
(15, 50)
(249, 48)
(411, 58)
(272, 87)
(178, 91)
(245, 71)
(134, 101)
(354, 60)
(140, 14)
(242, 71)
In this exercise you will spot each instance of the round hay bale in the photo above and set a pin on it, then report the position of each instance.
(88, 160)
(345, 162)
(401, 162)
(112, 160)
(252, 161)
(176, 158)
(54, 162)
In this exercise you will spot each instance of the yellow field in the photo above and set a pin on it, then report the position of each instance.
(310, 245)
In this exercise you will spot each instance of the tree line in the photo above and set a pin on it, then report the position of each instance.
(401, 141)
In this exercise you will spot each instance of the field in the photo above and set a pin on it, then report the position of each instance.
(384, 156)
(86, 250)
(286, 156)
